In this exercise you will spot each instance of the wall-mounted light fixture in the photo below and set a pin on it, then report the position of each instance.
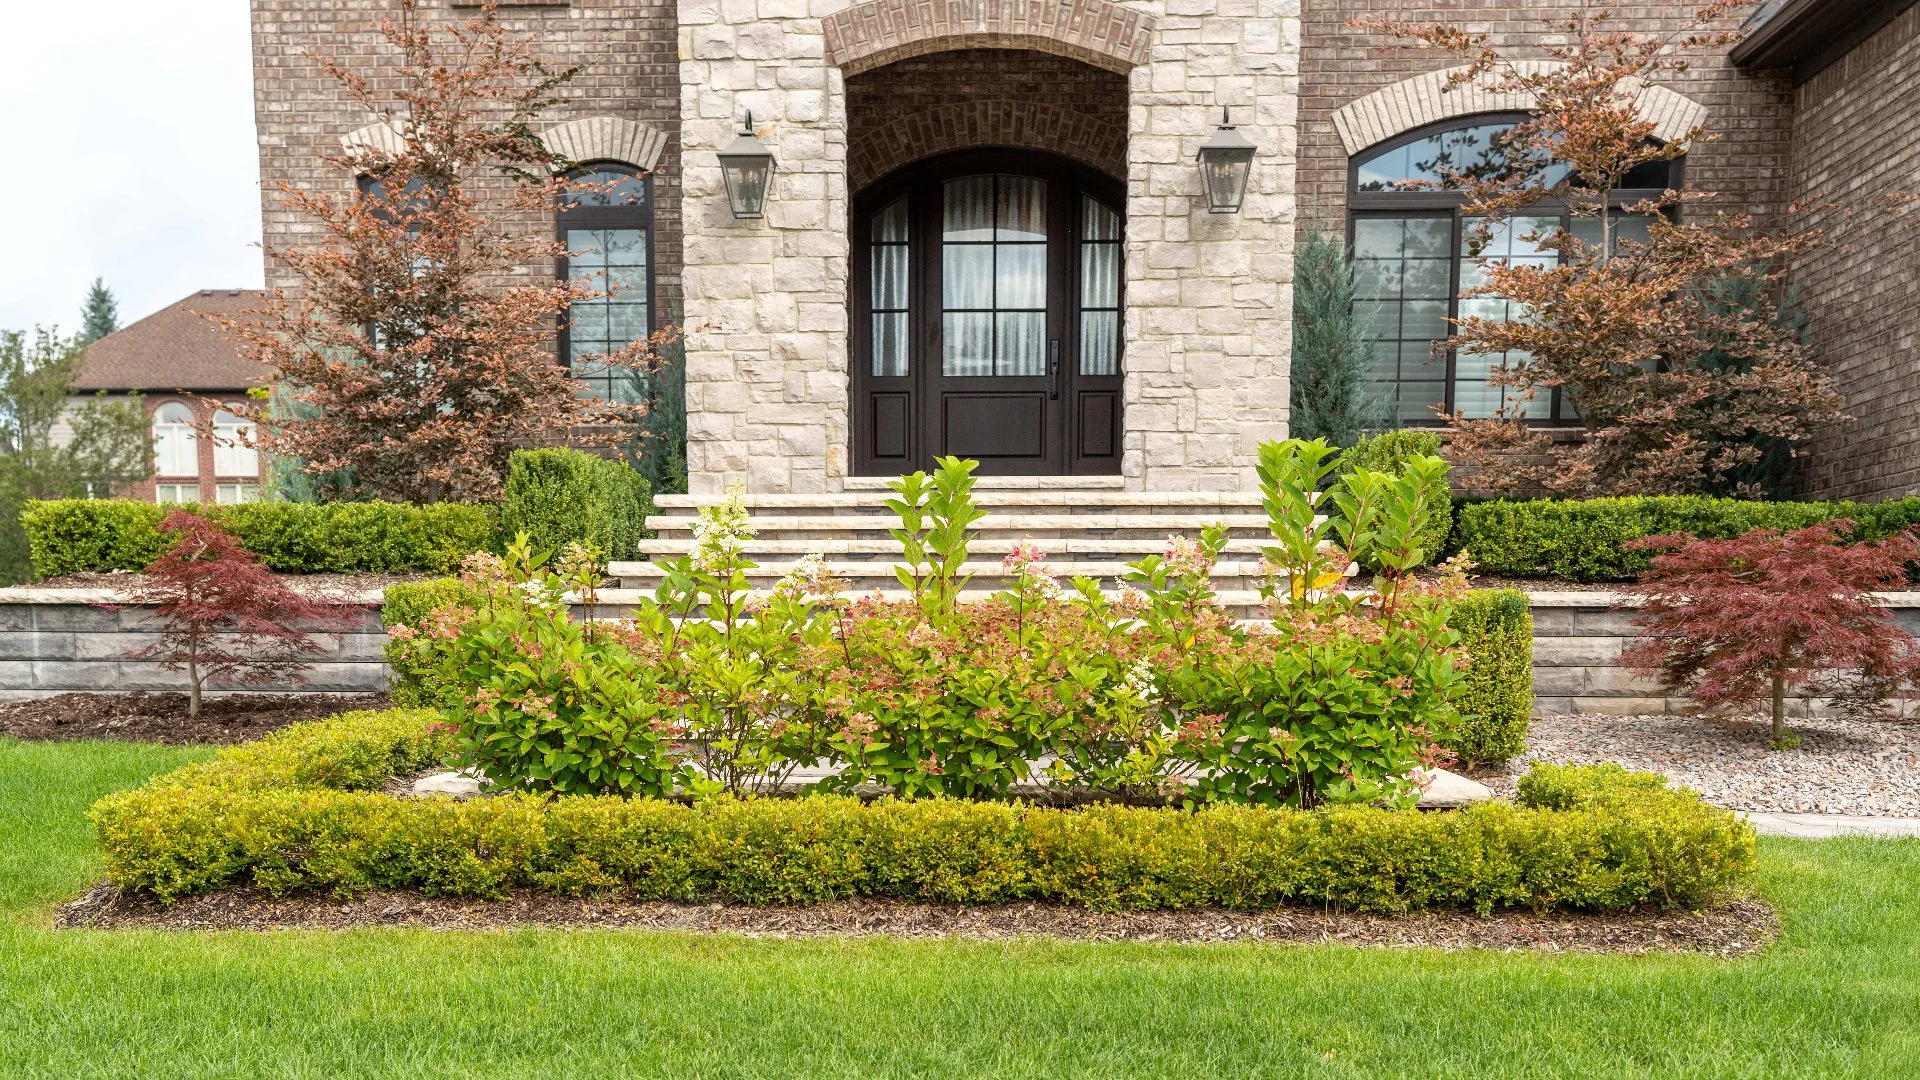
(1225, 159)
(747, 165)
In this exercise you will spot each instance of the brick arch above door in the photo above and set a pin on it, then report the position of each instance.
(879, 32)
(1024, 125)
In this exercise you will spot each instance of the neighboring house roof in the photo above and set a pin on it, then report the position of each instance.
(1809, 35)
(175, 348)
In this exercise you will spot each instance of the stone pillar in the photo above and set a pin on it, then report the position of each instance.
(1209, 297)
(766, 300)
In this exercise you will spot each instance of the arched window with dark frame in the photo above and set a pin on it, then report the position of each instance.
(606, 223)
(1415, 251)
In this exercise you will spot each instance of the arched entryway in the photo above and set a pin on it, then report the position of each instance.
(986, 315)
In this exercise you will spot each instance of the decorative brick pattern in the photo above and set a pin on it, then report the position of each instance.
(870, 35)
(1856, 149)
(916, 108)
(1428, 99)
(630, 71)
(1746, 166)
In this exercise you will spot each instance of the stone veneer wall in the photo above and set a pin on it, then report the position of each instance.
(1208, 297)
(59, 640)
(1857, 143)
(626, 48)
(1577, 637)
(1747, 166)
(54, 641)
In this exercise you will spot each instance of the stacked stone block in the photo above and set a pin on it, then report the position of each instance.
(1208, 301)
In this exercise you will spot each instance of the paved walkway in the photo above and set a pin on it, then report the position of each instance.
(1825, 826)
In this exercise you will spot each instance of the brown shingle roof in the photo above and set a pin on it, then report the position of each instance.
(175, 348)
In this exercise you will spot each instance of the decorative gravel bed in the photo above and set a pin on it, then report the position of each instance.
(1867, 767)
(1737, 927)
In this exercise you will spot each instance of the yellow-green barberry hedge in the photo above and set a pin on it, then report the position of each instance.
(302, 811)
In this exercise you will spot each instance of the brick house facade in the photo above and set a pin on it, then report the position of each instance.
(877, 111)
(184, 368)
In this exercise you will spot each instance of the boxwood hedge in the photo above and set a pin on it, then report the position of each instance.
(1583, 539)
(301, 811)
(80, 535)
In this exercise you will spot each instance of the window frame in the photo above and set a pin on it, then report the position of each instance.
(192, 426)
(606, 217)
(1450, 204)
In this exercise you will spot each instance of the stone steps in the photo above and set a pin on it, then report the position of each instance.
(1086, 526)
(853, 549)
(1011, 526)
(865, 576)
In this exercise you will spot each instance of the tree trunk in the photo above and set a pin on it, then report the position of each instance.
(193, 688)
(1779, 710)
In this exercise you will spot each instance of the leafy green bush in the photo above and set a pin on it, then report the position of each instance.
(69, 536)
(298, 812)
(1161, 696)
(73, 535)
(1584, 539)
(409, 604)
(1389, 452)
(543, 700)
(558, 497)
(1496, 633)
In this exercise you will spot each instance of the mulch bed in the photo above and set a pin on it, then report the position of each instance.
(1736, 928)
(162, 717)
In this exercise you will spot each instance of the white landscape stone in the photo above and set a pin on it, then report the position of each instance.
(1445, 789)
(459, 785)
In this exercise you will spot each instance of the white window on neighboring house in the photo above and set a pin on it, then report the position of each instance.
(231, 455)
(177, 493)
(176, 448)
(229, 494)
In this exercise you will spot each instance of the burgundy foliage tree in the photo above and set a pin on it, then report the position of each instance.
(419, 348)
(1679, 393)
(227, 619)
(1737, 622)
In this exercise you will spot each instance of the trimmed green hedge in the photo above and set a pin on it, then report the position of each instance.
(558, 497)
(299, 811)
(1581, 539)
(1496, 629)
(79, 535)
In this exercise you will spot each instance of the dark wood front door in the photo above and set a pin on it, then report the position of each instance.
(986, 316)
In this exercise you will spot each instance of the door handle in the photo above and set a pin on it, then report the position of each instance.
(1053, 367)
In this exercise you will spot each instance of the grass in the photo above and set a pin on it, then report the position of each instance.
(1836, 997)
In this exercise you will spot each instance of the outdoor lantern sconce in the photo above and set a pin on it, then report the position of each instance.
(1225, 159)
(748, 167)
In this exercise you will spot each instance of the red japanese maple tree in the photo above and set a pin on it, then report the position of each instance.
(1737, 622)
(227, 619)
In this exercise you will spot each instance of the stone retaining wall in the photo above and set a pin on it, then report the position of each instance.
(59, 640)
(54, 641)
(1578, 635)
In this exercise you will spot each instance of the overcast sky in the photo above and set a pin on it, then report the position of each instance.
(126, 129)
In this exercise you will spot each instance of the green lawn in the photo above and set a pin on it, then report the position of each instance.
(1838, 996)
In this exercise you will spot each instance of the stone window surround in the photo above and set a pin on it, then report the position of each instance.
(1428, 99)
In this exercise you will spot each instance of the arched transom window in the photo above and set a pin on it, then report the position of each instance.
(1415, 251)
